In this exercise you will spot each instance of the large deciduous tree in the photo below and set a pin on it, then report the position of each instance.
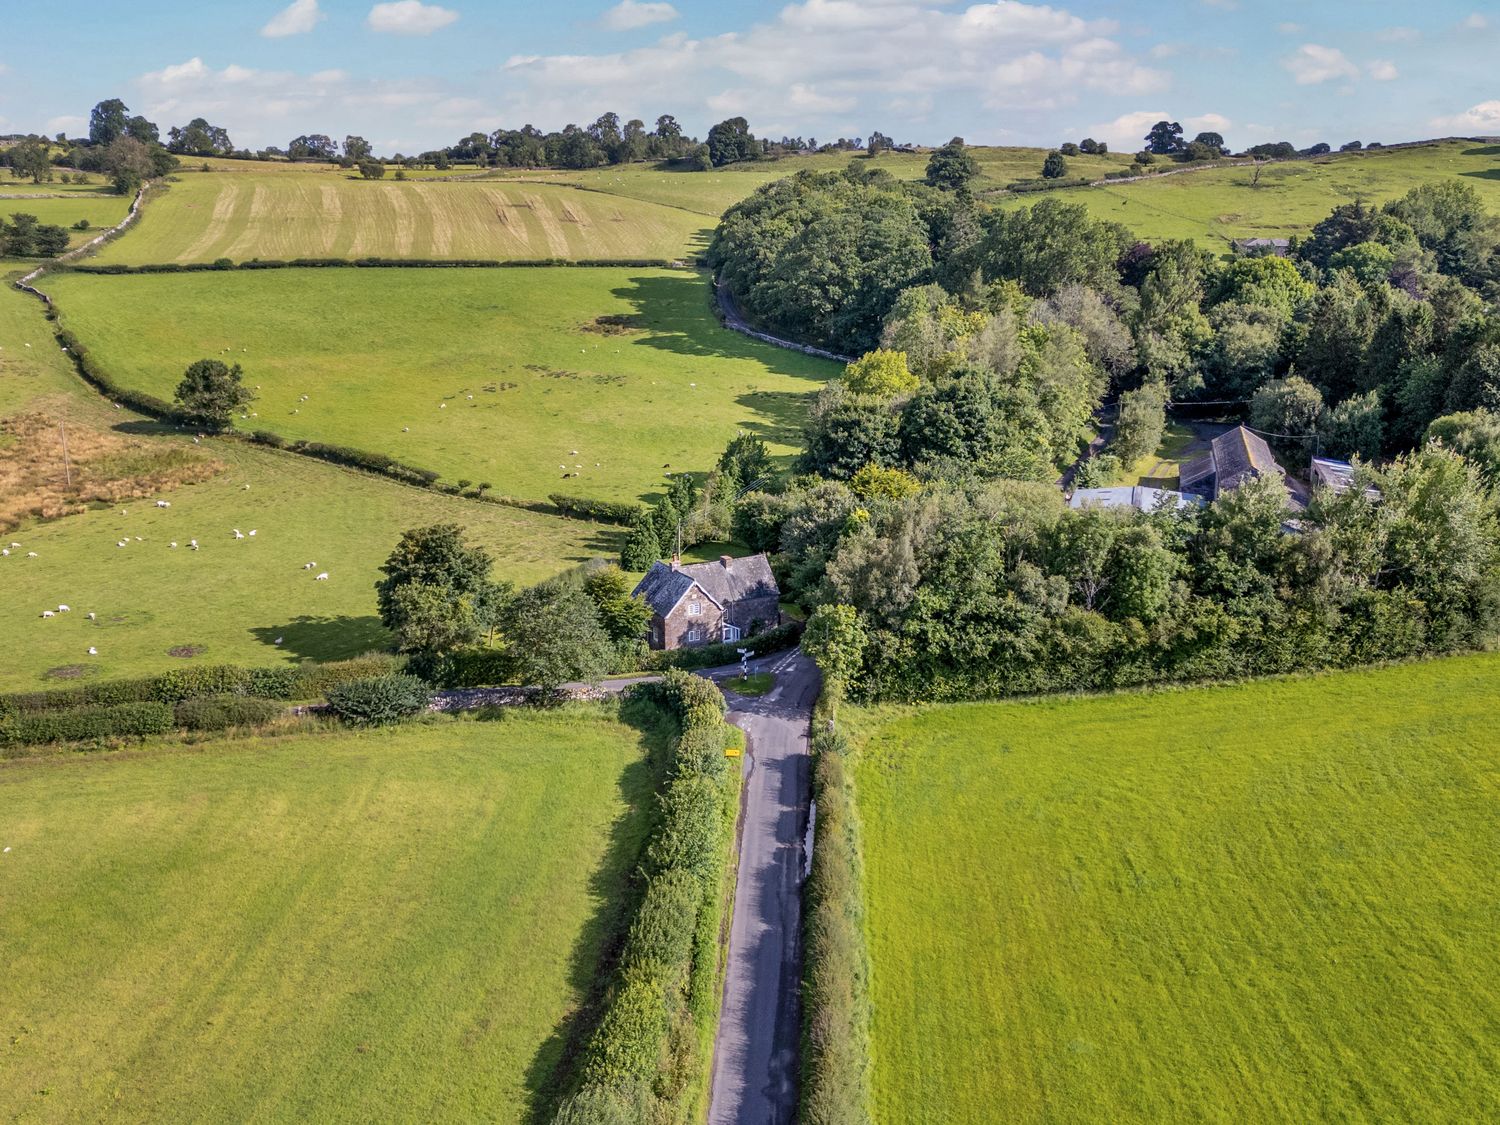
(212, 392)
(952, 167)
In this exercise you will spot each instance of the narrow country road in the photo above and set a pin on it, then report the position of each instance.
(755, 1074)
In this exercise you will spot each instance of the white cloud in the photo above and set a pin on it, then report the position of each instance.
(409, 17)
(1398, 35)
(1483, 119)
(297, 18)
(1127, 132)
(818, 60)
(1475, 22)
(1312, 63)
(628, 15)
(1382, 70)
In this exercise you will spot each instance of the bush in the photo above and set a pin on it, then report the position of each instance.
(660, 945)
(474, 667)
(604, 511)
(220, 712)
(690, 831)
(379, 700)
(314, 680)
(88, 724)
(712, 656)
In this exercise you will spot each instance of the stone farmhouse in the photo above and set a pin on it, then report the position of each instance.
(1234, 458)
(710, 603)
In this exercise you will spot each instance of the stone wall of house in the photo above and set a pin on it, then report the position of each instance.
(677, 626)
(751, 613)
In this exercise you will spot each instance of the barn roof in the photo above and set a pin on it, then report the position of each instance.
(727, 581)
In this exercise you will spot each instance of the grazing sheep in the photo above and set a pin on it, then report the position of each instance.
(4, 552)
(172, 544)
(322, 577)
(93, 651)
(406, 429)
(14, 545)
(90, 616)
(193, 543)
(163, 504)
(442, 406)
(245, 489)
(122, 542)
(238, 534)
(252, 531)
(31, 554)
(64, 609)
(48, 613)
(278, 640)
(310, 566)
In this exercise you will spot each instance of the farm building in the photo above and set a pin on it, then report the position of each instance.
(1280, 247)
(711, 602)
(1233, 458)
(1337, 475)
(1138, 496)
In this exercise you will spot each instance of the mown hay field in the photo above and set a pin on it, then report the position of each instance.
(1266, 902)
(586, 381)
(1217, 205)
(290, 214)
(222, 603)
(344, 926)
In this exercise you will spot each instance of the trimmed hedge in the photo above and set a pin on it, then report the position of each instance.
(88, 724)
(371, 263)
(285, 682)
(835, 974)
(712, 656)
(382, 463)
(645, 1060)
(100, 379)
(587, 508)
(379, 700)
(220, 712)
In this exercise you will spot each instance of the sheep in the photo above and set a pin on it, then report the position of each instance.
(64, 609)
(442, 406)
(252, 531)
(193, 543)
(163, 503)
(93, 651)
(245, 489)
(14, 545)
(48, 613)
(406, 429)
(31, 554)
(278, 640)
(238, 534)
(172, 544)
(122, 543)
(4, 552)
(90, 616)
(322, 577)
(309, 566)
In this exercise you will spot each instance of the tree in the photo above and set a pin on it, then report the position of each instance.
(372, 169)
(357, 149)
(1475, 436)
(553, 635)
(108, 121)
(211, 393)
(642, 545)
(623, 617)
(1054, 167)
(1068, 148)
(881, 374)
(1355, 427)
(835, 639)
(1088, 146)
(746, 459)
(315, 146)
(129, 165)
(199, 138)
(1290, 406)
(1212, 141)
(952, 167)
(30, 158)
(429, 618)
(667, 128)
(1140, 422)
(876, 483)
(1165, 138)
(878, 143)
(730, 141)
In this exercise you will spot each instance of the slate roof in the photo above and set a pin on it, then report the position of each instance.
(1233, 458)
(749, 577)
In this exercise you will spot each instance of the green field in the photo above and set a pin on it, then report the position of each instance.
(230, 602)
(1268, 902)
(393, 926)
(294, 213)
(101, 211)
(499, 375)
(1216, 205)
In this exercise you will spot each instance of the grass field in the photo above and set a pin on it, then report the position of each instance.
(100, 210)
(500, 377)
(392, 926)
(324, 214)
(1217, 205)
(1269, 902)
(230, 603)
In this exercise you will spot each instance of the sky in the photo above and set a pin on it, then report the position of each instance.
(411, 75)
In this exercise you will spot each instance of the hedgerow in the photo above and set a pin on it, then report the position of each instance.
(712, 656)
(87, 724)
(220, 712)
(645, 1059)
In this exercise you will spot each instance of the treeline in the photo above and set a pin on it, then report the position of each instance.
(923, 516)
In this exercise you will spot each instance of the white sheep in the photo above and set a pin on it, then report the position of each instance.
(309, 566)
(322, 577)
(163, 503)
(90, 616)
(31, 554)
(238, 534)
(14, 545)
(93, 651)
(48, 613)
(252, 531)
(122, 542)
(278, 640)
(173, 544)
(4, 552)
(64, 609)
(193, 543)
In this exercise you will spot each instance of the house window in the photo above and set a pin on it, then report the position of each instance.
(695, 609)
(694, 635)
(731, 633)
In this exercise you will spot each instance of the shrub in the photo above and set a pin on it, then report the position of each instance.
(186, 683)
(660, 945)
(474, 667)
(273, 683)
(219, 712)
(584, 507)
(690, 830)
(86, 724)
(628, 1044)
(314, 680)
(378, 700)
(712, 656)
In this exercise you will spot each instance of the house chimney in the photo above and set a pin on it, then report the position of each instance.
(726, 560)
(676, 562)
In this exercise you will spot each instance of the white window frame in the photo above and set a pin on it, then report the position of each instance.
(694, 635)
(695, 609)
(731, 633)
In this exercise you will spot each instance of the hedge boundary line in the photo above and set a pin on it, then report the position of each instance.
(227, 265)
(648, 1057)
(836, 1044)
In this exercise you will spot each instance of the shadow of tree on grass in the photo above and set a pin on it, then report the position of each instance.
(325, 638)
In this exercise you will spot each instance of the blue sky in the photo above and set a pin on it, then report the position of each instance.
(410, 74)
